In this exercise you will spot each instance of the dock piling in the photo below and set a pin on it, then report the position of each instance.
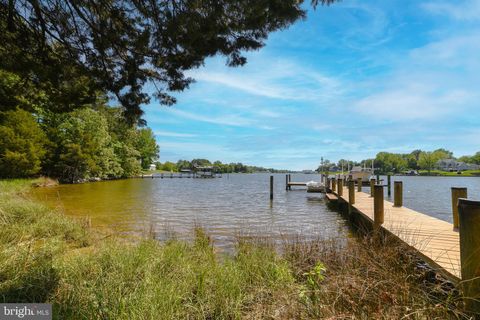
(286, 182)
(378, 206)
(389, 182)
(351, 192)
(398, 194)
(340, 187)
(469, 220)
(334, 184)
(372, 184)
(359, 184)
(457, 193)
(271, 187)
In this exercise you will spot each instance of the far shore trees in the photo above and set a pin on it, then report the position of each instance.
(386, 162)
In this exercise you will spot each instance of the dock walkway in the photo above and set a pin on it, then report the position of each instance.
(434, 239)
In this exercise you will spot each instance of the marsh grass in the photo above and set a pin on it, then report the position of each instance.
(47, 257)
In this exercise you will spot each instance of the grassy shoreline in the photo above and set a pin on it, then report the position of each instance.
(48, 257)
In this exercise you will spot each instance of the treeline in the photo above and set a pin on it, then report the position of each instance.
(386, 162)
(92, 141)
(80, 145)
(218, 166)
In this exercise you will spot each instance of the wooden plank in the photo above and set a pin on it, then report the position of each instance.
(331, 197)
(298, 184)
(432, 238)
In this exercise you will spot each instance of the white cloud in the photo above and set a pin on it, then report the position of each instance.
(458, 10)
(411, 102)
(228, 120)
(174, 134)
(274, 78)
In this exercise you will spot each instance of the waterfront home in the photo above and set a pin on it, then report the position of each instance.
(454, 165)
(153, 167)
(334, 169)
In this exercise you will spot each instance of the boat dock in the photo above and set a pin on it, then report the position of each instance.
(434, 239)
(178, 175)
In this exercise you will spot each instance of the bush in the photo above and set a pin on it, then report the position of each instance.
(22, 145)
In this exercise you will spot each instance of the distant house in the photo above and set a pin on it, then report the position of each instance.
(334, 169)
(452, 165)
(153, 167)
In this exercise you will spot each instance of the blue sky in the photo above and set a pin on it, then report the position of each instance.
(351, 80)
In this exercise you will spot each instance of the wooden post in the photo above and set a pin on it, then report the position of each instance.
(378, 179)
(389, 181)
(359, 184)
(398, 194)
(340, 187)
(378, 210)
(372, 184)
(469, 222)
(457, 193)
(286, 182)
(334, 184)
(351, 192)
(271, 187)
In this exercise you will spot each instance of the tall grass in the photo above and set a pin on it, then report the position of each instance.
(47, 257)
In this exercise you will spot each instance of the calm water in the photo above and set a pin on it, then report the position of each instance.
(432, 195)
(228, 206)
(234, 204)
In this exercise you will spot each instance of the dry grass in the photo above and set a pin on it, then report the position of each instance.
(372, 277)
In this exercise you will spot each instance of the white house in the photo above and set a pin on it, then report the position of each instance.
(454, 165)
(153, 167)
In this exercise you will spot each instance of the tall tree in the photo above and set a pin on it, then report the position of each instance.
(122, 44)
(147, 147)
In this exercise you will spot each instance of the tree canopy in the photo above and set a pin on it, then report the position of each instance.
(117, 46)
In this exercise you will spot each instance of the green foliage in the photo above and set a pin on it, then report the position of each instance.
(390, 162)
(22, 144)
(98, 143)
(147, 147)
(428, 159)
(475, 159)
(85, 147)
(168, 166)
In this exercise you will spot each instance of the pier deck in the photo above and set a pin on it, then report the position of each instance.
(434, 239)
(297, 184)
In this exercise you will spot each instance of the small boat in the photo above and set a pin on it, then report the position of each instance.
(314, 186)
(365, 173)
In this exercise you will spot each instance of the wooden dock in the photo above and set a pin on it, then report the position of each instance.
(297, 184)
(434, 239)
(176, 175)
